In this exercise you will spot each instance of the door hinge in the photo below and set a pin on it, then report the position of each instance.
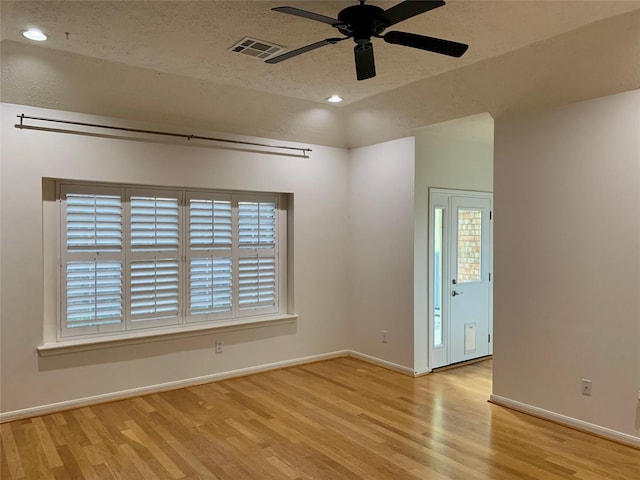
(490, 215)
(489, 276)
(489, 338)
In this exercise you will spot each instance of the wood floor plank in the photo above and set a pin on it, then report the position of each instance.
(287, 470)
(137, 434)
(139, 463)
(341, 419)
(46, 443)
(71, 469)
(37, 457)
(10, 453)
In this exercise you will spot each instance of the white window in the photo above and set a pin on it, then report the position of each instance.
(135, 258)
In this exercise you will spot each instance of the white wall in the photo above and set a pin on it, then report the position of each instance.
(381, 251)
(319, 187)
(567, 261)
(447, 156)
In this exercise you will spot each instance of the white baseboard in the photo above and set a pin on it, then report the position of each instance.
(381, 362)
(614, 435)
(189, 382)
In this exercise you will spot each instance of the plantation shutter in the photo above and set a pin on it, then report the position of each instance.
(257, 282)
(154, 277)
(210, 224)
(256, 224)
(93, 222)
(154, 288)
(257, 256)
(210, 288)
(94, 293)
(154, 223)
(134, 258)
(92, 260)
(210, 285)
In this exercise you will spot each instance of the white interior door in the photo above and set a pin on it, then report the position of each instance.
(460, 295)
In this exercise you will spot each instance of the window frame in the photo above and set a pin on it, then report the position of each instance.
(184, 321)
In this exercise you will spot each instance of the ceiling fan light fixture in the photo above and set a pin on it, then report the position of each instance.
(334, 99)
(34, 34)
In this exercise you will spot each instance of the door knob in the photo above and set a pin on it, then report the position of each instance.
(454, 293)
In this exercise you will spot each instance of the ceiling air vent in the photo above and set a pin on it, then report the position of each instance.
(256, 48)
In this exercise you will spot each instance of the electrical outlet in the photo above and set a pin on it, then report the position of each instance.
(385, 336)
(219, 346)
(586, 387)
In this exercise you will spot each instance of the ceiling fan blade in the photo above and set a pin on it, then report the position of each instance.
(301, 50)
(310, 15)
(431, 44)
(408, 9)
(365, 63)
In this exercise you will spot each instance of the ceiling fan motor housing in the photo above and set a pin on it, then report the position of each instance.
(361, 22)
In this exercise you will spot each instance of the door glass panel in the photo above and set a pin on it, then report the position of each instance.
(438, 339)
(469, 245)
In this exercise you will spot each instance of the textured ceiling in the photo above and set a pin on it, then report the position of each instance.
(192, 39)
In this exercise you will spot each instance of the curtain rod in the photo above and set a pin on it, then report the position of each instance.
(23, 117)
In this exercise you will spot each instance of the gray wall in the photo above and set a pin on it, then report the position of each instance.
(381, 251)
(567, 261)
(319, 188)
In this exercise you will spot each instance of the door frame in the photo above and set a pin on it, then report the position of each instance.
(439, 355)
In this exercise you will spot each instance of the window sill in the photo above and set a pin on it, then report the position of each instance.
(156, 335)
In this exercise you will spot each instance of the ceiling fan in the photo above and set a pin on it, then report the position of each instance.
(361, 22)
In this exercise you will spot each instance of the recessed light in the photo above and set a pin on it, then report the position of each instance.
(34, 34)
(334, 99)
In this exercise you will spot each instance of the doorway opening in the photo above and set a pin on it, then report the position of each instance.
(461, 292)
(456, 158)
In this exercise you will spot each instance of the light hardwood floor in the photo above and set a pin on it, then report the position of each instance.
(339, 419)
